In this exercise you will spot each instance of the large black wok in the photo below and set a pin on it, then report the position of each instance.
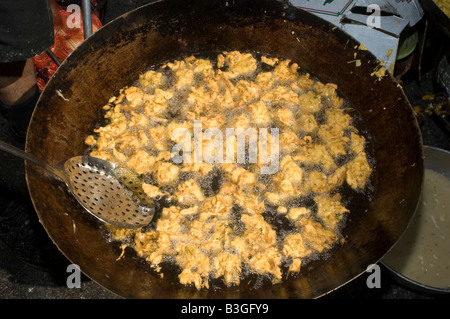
(113, 57)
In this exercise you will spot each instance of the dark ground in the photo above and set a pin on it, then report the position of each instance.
(37, 270)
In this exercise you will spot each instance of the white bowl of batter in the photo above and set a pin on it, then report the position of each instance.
(421, 258)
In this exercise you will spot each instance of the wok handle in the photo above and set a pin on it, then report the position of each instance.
(29, 157)
(87, 18)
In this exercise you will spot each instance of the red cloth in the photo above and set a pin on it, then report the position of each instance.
(66, 39)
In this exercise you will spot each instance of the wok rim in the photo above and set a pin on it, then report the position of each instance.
(91, 40)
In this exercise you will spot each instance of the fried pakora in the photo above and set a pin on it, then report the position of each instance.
(216, 226)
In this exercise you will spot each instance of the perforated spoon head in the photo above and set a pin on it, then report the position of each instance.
(96, 186)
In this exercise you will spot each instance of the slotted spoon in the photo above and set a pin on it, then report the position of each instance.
(99, 187)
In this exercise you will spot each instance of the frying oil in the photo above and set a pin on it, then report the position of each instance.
(211, 183)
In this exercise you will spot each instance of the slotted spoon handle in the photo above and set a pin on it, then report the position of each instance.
(31, 158)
